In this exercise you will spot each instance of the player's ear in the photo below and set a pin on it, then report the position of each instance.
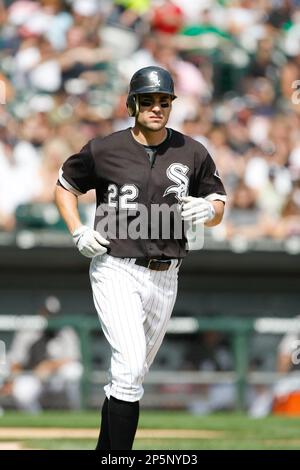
(132, 104)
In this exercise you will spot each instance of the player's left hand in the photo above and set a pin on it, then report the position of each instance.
(197, 210)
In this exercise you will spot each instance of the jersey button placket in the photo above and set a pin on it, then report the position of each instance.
(148, 243)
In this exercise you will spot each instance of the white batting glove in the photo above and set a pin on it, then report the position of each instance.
(89, 242)
(197, 210)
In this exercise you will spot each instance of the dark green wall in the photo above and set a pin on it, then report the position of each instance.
(211, 282)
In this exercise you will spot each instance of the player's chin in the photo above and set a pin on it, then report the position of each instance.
(156, 125)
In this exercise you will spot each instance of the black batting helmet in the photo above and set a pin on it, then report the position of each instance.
(148, 80)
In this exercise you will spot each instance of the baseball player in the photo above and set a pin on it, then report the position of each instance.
(133, 272)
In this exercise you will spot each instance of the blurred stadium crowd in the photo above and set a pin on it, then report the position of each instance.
(65, 68)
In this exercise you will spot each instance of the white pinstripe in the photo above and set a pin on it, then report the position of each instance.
(134, 305)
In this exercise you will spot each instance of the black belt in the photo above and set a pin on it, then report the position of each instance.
(156, 264)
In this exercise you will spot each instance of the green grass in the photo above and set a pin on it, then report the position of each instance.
(237, 430)
(48, 419)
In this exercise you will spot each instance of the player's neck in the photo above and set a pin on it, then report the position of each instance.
(148, 137)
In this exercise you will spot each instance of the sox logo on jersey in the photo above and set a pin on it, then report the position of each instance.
(177, 172)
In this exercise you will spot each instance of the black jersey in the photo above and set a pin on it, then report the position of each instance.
(130, 188)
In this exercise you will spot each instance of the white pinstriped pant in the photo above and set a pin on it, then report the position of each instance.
(134, 305)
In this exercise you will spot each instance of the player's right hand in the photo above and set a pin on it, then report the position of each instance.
(89, 242)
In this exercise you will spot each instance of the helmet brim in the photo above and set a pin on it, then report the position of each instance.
(150, 90)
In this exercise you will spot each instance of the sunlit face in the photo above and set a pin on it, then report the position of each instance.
(154, 110)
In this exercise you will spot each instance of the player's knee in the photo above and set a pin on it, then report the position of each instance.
(129, 372)
(138, 371)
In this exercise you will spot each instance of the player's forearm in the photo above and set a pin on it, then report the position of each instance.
(219, 212)
(67, 204)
